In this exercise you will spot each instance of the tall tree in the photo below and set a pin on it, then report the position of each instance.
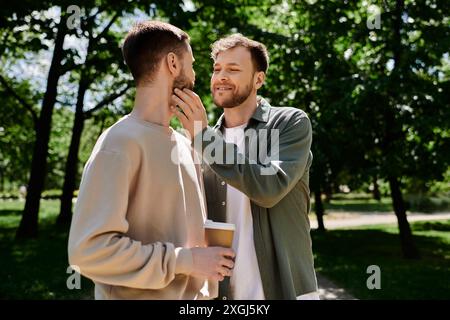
(37, 28)
(29, 224)
(402, 57)
(103, 58)
(369, 92)
(16, 136)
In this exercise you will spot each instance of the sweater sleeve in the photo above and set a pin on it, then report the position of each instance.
(98, 243)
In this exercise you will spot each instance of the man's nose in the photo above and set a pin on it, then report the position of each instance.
(223, 76)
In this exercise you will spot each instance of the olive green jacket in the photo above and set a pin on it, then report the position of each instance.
(277, 186)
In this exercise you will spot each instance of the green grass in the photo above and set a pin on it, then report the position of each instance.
(356, 202)
(35, 269)
(363, 205)
(344, 255)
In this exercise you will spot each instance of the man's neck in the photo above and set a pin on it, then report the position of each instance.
(237, 116)
(151, 104)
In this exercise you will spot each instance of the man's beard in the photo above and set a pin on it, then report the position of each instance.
(236, 99)
(181, 82)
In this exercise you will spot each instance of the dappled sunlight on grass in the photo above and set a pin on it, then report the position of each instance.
(36, 268)
(344, 255)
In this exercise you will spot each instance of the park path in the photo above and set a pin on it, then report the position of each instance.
(341, 219)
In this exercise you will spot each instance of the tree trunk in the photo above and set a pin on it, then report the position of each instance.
(70, 174)
(65, 214)
(328, 193)
(394, 133)
(319, 209)
(2, 184)
(376, 190)
(28, 227)
(407, 241)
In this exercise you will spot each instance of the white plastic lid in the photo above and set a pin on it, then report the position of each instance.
(219, 225)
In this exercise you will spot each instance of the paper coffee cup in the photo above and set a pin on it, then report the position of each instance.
(219, 234)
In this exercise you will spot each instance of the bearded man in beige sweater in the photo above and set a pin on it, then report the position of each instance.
(137, 229)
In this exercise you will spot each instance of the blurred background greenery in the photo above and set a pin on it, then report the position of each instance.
(373, 76)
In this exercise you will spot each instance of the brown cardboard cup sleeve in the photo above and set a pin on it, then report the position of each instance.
(219, 234)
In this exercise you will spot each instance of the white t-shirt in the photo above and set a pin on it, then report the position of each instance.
(245, 281)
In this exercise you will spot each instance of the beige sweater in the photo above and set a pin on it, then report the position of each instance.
(140, 208)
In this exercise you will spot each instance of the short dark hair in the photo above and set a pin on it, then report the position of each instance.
(258, 51)
(147, 43)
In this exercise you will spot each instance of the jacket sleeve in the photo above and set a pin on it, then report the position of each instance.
(264, 183)
(98, 244)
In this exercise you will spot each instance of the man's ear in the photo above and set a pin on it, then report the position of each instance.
(259, 79)
(173, 64)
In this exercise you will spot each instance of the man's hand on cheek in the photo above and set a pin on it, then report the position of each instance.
(193, 116)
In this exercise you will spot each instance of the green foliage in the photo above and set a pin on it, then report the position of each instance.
(425, 203)
(58, 146)
(370, 116)
(16, 140)
(441, 187)
(51, 194)
(359, 205)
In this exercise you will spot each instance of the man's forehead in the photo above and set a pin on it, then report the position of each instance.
(237, 56)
